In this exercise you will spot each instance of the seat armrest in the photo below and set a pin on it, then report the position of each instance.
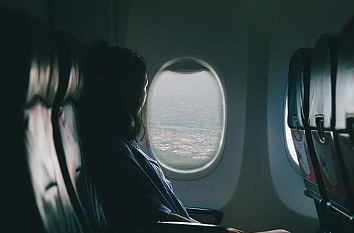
(188, 227)
(206, 215)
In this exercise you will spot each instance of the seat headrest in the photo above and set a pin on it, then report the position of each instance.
(322, 80)
(26, 59)
(53, 75)
(69, 68)
(345, 77)
(298, 86)
(19, 31)
(43, 76)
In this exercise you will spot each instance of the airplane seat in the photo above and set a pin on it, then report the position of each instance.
(36, 195)
(298, 112)
(18, 209)
(344, 123)
(52, 196)
(321, 123)
(33, 194)
(298, 122)
(70, 156)
(205, 215)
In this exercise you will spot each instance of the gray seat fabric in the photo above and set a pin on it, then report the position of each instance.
(344, 99)
(321, 120)
(298, 112)
(35, 195)
(68, 135)
(17, 199)
(51, 194)
(313, 92)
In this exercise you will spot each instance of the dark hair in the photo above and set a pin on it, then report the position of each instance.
(135, 112)
(113, 89)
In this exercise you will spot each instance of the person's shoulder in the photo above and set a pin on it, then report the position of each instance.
(121, 143)
(152, 161)
(122, 147)
(135, 146)
(125, 155)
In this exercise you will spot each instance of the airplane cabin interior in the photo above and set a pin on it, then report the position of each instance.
(247, 115)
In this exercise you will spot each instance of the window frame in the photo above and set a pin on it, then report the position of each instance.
(161, 65)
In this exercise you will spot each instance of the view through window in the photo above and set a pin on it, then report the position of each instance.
(185, 119)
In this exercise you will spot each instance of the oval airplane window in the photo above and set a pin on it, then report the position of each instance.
(289, 140)
(186, 117)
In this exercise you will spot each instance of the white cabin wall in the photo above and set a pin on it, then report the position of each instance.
(256, 205)
(93, 21)
(89, 21)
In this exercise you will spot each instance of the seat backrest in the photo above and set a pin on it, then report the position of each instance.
(70, 155)
(35, 89)
(321, 121)
(18, 209)
(344, 121)
(52, 196)
(298, 110)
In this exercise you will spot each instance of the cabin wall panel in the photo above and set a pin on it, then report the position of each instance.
(168, 26)
(87, 20)
(38, 8)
